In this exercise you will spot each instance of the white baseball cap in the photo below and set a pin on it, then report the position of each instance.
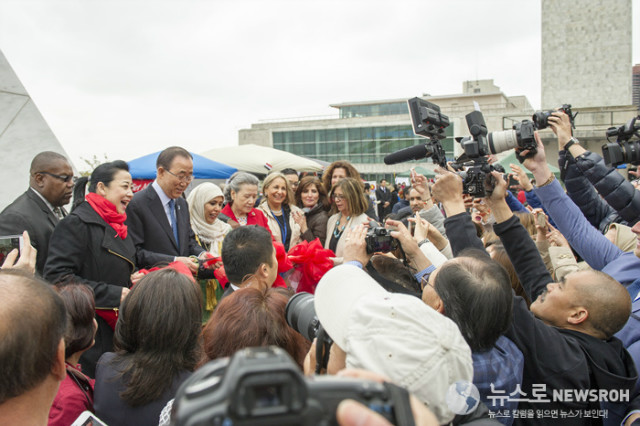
(394, 334)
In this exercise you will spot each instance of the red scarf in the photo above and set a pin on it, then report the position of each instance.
(107, 211)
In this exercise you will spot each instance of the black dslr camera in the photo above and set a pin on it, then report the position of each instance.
(379, 240)
(541, 118)
(263, 386)
(624, 150)
(429, 122)
(473, 166)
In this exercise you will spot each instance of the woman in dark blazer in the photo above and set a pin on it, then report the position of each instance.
(91, 246)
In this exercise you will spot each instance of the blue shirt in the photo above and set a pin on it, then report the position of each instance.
(501, 366)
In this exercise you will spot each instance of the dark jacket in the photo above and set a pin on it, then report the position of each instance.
(28, 212)
(616, 190)
(583, 194)
(317, 219)
(558, 358)
(85, 249)
(151, 231)
(113, 410)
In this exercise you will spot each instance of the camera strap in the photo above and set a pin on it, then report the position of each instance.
(323, 348)
(401, 405)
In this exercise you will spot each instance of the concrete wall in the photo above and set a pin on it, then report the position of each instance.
(586, 53)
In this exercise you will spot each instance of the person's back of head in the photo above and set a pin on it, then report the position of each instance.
(244, 250)
(81, 327)
(499, 254)
(32, 325)
(157, 334)
(476, 294)
(252, 317)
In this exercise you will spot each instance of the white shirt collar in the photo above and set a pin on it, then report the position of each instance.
(163, 197)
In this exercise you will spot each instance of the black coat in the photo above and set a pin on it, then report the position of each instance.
(151, 231)
(583, 194)
(85, 249)
(28, 212)
(317, 219)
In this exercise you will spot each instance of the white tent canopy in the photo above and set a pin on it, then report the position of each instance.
(261, 159)
(23, 134)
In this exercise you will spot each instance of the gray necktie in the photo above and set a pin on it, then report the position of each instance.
(58, 212)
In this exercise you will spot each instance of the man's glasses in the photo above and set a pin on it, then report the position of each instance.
(425, 282)
(181, 178)
(64, 178)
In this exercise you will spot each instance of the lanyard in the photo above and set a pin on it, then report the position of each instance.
(283, 226)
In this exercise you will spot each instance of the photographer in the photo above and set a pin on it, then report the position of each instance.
(568, 344)
(477, 299)
(617, 191)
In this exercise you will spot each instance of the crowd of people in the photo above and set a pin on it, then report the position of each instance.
(522, 305)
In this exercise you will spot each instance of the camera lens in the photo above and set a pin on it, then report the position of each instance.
(301, 315)
(541, 119)
(502, 141)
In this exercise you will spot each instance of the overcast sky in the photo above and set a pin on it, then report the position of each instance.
(125, 78)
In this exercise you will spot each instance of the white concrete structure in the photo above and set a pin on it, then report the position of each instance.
(586, 53)
(23, 133)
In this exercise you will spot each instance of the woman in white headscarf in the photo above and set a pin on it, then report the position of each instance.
(205, 204)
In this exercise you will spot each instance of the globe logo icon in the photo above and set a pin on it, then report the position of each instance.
(462, 397)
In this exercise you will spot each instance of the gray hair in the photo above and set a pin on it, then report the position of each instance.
(236, 181)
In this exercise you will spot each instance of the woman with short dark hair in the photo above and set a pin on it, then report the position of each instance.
(92, 246)
(158, 347)
(75, 393)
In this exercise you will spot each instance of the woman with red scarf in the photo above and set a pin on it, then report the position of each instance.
(91, 246)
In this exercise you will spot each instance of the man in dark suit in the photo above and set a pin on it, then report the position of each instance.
(249, 258)
(158, 216)
(384, 199)
(40, 209)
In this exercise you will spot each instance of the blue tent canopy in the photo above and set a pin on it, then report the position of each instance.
(203, 168)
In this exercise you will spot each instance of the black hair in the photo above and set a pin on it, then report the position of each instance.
(44, 159)
(157, 336)
(166, 157)
(477, 296)
(289, 171)
(104, 173)
(244, 249)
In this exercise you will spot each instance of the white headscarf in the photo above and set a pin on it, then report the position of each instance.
(207, 233)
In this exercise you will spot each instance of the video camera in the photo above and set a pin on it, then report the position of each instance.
(429, 122)
(623, 150)
(263, 386)
(473, 166)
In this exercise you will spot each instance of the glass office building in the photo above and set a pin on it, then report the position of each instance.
(363, 133)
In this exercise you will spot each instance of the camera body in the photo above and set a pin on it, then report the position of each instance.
(624, 150)
(263, 386)
(473, 166)
(541, 118)
(521, 136)
(379, 240)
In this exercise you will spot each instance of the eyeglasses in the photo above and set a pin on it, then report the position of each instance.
(338, 197)
(182, 178)
(424, 282)
(64, 178)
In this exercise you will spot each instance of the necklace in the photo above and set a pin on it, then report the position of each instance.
(242, 220)
(337, 232)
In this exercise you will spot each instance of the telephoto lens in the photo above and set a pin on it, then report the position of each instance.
(300, 313)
